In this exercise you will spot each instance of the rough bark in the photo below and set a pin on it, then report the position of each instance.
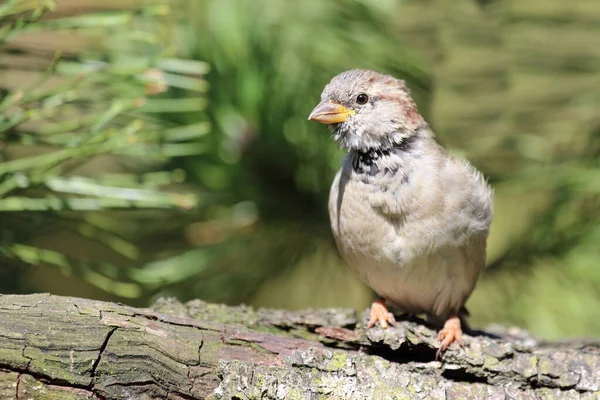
(67, 348)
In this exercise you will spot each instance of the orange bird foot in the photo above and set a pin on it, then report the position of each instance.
(380, 313)
(451, 332)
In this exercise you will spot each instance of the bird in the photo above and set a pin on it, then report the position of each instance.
(410, 219)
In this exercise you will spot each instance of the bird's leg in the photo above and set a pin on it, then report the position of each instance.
(380, 313)
(451, 332)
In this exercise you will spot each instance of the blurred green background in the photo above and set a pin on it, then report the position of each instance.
(161, 148)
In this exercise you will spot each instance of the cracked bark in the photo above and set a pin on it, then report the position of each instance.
(67, 348)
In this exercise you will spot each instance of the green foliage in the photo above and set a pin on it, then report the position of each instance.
(77, 139)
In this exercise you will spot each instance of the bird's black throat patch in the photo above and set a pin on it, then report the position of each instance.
(366, 162)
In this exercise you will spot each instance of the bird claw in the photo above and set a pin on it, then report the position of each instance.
(380, 313)
(451, 333)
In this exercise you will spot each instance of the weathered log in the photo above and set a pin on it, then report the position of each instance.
(55, 347)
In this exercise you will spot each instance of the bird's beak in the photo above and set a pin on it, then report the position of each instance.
(328, 112)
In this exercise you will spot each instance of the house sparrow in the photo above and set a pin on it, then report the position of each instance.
(409, 219)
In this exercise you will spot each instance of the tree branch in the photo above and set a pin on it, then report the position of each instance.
(68, 348)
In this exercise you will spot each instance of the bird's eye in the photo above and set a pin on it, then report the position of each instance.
(362, 99)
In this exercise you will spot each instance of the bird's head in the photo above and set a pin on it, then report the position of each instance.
(367, 110)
